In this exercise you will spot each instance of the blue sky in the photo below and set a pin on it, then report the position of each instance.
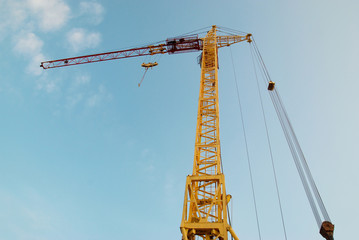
(86, 154)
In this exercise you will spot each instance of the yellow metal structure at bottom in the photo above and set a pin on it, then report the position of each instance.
(205, 202)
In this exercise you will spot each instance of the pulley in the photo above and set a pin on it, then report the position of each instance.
(271, 85)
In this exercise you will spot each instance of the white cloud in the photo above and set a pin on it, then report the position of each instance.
(51, 14)
(80, 39)
(93, 12)
(47, 15)
(12, 16)
(22, 20)
(34, 65)
(30, 45)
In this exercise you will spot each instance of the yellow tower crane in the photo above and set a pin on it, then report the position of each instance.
(205, 201)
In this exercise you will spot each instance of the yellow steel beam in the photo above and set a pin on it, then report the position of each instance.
(205, 202)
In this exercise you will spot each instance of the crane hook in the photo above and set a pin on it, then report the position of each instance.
(146, 66)
(149, 65)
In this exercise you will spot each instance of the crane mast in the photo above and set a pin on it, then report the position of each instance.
(205, 201)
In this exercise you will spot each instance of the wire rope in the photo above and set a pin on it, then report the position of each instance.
(232, 31)
(229, 216)
(198, 31)
(143, 77)
(232, 211)
(305, 164)
(269, 144)
(293, 143)
(246, 146)
(296, 159)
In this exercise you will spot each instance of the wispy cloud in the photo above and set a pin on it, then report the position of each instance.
(20, 20)
(24, 22)
(80, 39)
(33, 67)
(30, 45)
(30, 16)
(51, 14)
(92, 11)
(12, 16)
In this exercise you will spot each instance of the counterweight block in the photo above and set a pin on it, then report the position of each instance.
(327, 230)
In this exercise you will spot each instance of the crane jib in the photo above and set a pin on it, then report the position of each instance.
(172, 45)
(183, 44)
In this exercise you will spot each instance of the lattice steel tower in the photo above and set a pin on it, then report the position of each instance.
(205, 202)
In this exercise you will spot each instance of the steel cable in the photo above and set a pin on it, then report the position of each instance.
(246, 146)
(231, 31)
(295, 157)
(293, 143)
(305, 164)
(269, 145)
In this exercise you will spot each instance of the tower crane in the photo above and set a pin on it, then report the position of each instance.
(205, 213)
(205, 202)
